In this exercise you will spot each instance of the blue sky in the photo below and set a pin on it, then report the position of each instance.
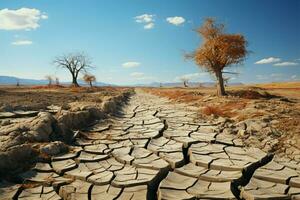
(142, 41)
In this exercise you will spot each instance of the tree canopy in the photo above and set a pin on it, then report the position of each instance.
(218, 50)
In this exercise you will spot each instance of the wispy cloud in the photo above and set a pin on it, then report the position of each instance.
(277, 75)
(261, 77)
(22, 42)
(131, 64)
(283, 64)
(146, 19)
(137, 74)
(141, 76)
(177, 20)
(294, 77)
(21, 19)
(191, 77)
(149, 26)
(268, 60)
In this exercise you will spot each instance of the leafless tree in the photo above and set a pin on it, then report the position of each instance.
(185, 81)
(88, 78)
(50, 79)
(75, 63)
(56, 81)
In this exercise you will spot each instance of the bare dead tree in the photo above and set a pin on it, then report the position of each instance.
(75, 63)
(185, 81)
(50, 79)
(56, 81)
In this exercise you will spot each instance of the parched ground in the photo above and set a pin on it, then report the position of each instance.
(268, 115)
(157, 149)
(39, 97)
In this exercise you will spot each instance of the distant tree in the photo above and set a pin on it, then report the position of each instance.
(160, 85)
(88, 78)
(185, 81)
(50, 79)
(18, 82)
(56, 81)
(75, 63)
(218, 51)
(226, 80)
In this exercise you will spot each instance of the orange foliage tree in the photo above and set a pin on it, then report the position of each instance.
(219, 50)
(89, 79)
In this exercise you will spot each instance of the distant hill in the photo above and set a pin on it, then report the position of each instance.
(11, 80)
(179, 84)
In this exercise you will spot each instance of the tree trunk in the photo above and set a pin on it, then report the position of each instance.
(220, 84)
(74, 81)
(91, 84)
(185, 84)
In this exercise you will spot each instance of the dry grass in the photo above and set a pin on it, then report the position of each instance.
(213, 110)
(276, 102)
(177, 94)
(39, 97)
(252, 93)
(285, 85)
(47, 87)
(224, 110)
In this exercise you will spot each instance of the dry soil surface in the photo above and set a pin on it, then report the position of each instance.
(155, 149)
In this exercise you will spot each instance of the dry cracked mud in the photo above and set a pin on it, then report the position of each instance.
(155, 150)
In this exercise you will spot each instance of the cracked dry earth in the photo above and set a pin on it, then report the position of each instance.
(156, 150)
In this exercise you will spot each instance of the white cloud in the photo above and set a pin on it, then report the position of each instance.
(176, 20)
(294, 77)
(191, 77)
(145, 18)
(268, 60)
(21, 19)
(276, 75)
(131, 64)
(261, 77)
(141, 76)
(281, 64)
(22, 42)
(44, 16)
(149, 26)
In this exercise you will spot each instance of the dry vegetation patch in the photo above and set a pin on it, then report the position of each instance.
(274, 112)
(39, 97)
